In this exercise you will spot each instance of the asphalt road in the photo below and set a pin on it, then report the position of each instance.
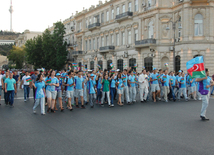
(172, 128)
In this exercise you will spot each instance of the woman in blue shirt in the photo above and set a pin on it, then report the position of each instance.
(59, 93)
(119, 89)
(39, 94)
(112, 88)
(99, 86)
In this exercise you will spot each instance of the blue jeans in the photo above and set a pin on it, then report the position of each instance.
(26, 91)
(99, 94)
(172, 92)
(5, 97)
(10, 96)
(112, 92)
(212, 90)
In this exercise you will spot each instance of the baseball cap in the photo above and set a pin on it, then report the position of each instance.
(57, 74)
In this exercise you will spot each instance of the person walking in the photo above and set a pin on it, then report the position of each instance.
(143, 86)
(34, 77)
(59, 93)
(1, 82)
(79, 82)
(10, 89)
(17, 78)
(112, 88)
(92, 90)
(132, 89)
(3, 87)
(26, 80)
(39, 86)
(105, 89)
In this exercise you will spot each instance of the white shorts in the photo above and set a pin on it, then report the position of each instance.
(51, 94)
(120, 91)
(59, 94)
(69, 94)
(192, 89)
(155, 87)
(78, 93)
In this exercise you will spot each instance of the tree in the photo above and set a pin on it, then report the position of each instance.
(17, 55)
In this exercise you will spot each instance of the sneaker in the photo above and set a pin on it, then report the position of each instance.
(109, 106)
(25, 100)
(82, 107)
(112, 105)
(77, 106)
(159, 98)
(11, 106)
(92, 106)
(34, 112)
(166, 101)
(43, 114)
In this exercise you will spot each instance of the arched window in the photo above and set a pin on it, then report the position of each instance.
(101, 64)
(132, 62)
(120, 64)
(196, 55)
(108, 64)
(177, 63)
(148, 63)
(198, 25)
(91, 65)
(80, 64)
(151, 30)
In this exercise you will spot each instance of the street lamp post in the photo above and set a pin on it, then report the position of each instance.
(174, 28)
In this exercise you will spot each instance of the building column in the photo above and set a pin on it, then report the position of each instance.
(140, 62)
(104, 63)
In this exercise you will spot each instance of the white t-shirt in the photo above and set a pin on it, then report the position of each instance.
(1, 76)
(24, 78)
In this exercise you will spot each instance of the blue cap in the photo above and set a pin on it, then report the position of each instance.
(179, 71)
(154, 69)
(57, 74)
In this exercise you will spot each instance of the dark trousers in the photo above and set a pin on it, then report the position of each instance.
(26, 91)
(10, 96)
(112, 92)
(99, 95)
(5, 97)
(34, 93)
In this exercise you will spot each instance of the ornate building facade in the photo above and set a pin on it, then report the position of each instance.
(142, 32)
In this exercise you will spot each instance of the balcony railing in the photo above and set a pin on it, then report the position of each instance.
(124, 15)
(76, 53)
(107, 49)
(145, 42)
(93, 26)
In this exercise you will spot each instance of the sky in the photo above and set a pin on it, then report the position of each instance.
(37, 15)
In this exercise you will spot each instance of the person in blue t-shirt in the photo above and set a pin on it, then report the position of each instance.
(204, 88)
(172, 85)
(10, 88)
(155, 89)
(39, 86)
(182, 87)
(165, 84)
(125, 88)
(79, 82)
(119, 88)
(112, 88)
(192, 87)
(59, 93)
(132, 89)
(99, 87)
(92, 90)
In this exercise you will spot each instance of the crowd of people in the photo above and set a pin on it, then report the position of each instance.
(76, 88)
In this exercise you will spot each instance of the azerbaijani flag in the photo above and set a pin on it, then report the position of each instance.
(158, 76)
(112, 71)
(48, 81)
(171, 80)
(112, 65)
(195, 67)
(135, 79)
(124, 65)
(124, 78)
(98, 66)
(28, 79)
(71, 85)
(135, 65)
(134, 72)
(164, 77)
(69, 67)
(74, 64)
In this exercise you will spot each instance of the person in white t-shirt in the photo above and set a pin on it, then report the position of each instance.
(27, 81)
(1, 78)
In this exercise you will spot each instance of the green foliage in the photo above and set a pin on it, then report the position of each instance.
(17, 55)
(5, 49)
(49, 50)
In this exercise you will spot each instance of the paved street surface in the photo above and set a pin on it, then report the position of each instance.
(172, 128)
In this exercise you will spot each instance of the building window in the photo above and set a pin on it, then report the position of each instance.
(102, 18)
(80, 25)
(95, 20)
(92, 65)
(136, 5)
(198, 25)
(107, 41)
(123, 38)
(120, 64)
(86, 45)
(149, 3)
(108, 65)
(94, 44)
(107, 16)
(124, 8)
(148, 63)
(135, 34)
(102, 42)
(117, 39)
(89, 44)
(129, 37)
(101, 64)
(112, 40)
(112, 14)
(130, 7)
(177, 63)
(98, 43)
(132, 62)
(151, 30)
(179, 25)
(118, 10)
(86, 23)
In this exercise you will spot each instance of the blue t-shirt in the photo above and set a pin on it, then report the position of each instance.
(183, 82)
(78, 82)
(16, 77)
(154, 76)
(99, 85)
(204, 84)
(10, 84)
(193, 84)
(70, 81)
(173, 80)
(125, 79)
(165, 78)
(120, 84)
(113, 83)
(54, 80)
(39, 93)
(91, 89)
(131, 79)
(60, 84)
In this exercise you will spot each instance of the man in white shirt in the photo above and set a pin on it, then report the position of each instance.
(1, 79)
(26, 80)
(143, 84)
